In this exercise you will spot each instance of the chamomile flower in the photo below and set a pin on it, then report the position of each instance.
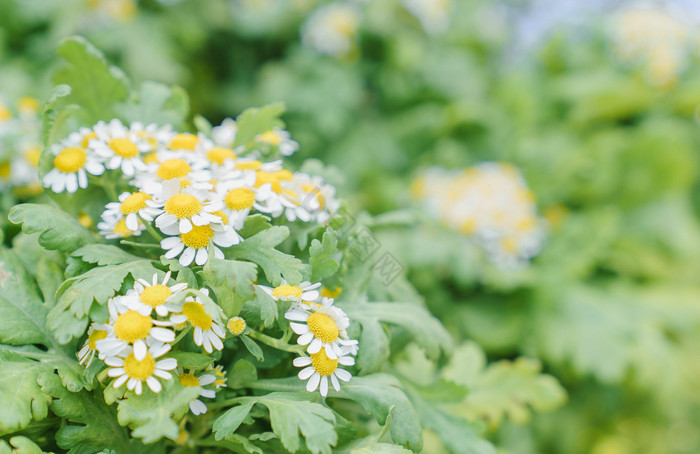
(131, 206)
(184, 141)
(127, 368)
(204, 380)
(239, 197)
(196, 243)
(71, 165)
(208, 330)
(332, 29)
(119, 147)
(128, 327)
(115, 227)
(225, 134)
(319, 369)
(87, 353)
(236, 326)
(183, 210)
(279, 139)
(306, 291)
(321, 326)
(317, 198)
(147, 297)
(434, 15)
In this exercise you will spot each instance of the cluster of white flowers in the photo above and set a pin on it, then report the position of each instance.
(332, 29)
(489, 202)
(198, 191)
(434, 15)
(141, 328)
(20, 146)
(321, 327)
(659, 40)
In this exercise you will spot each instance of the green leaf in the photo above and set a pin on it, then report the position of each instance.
(262, 305)
(253, 347)
(49, 276)
(156, 103)
(290, 415)
(321, 253)
(152, 416)
(189, 360)
(58, 229)
(104, 254)
(19, 445)
(95, 85)
(23, 314)
(378, 394)
(226, 424)
(94, 424)
(260, 249)
(257, 120)
(243, 372)
(425, 329)
(22, 398)
(67, 319)
(54, 117)
(232, 282)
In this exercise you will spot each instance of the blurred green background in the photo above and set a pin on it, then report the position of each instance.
(593, 103)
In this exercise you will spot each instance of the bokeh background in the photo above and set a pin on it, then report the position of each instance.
(537, 161)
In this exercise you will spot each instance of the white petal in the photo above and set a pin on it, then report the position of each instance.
(163, 334)
(201, 257)
(166, 364)
(198, 407)
(324, 386)
(343, 374)
(313, 382)
(334, 382)
(297, 316)
(154, 384)
(187, 256)
(71, 182)
(346, 360)
(206, 379)
(173, 252)
(132, 221)
(216, 341)
(162, 374)
(118, 372)
(120, 381)
(302, 361)
(315, 346)
(140, 350)
(185, 225)
(304, 339)
(138, 389)
(299, 328)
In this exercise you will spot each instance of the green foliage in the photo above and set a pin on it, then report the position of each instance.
(321, 254)
(58, 230)
(255, 121)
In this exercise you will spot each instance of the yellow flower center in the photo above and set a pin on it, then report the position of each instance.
(5, 170)
(287, 291)
(188, 380)
(70, 159)
(270, 137)
(198, 237)
(510, 244)
(32, 155)
(184, 141)
(124, 148)
(239, 198)
(150, 158)
(283, 174)
(222, 215)
(184, 182)
(85, 220)
(249, 165)
(267, 177)
(28, 105)
(122, 229)
(236, 326)
(5, 113)
(134, 203)
(323, 327)
(328, 293)
(173, 168)
(183, 205)
(323, 364)
(140, 370)
(196, 315)
(218, 155)
(132, 326)
(94, 337)
(344, 23)
(468, 227)
(155, 295)
(86, 140)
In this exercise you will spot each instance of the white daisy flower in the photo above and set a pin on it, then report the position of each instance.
(87, 353)
(317, 197)
(131, 206)
(280, 139)
(239, 197)
(203, 379)
(71, 164)
(119, 147)
(188, 170)
(319, 367)
(128, 327)
(115, 227)
(195, 244)
(133, 371)
(306, 291)
(155, 136)
(322, 326)
(332, 29)
(236, 326)
(184, 211)
(154, 296)
(208, 331)
(183, 141)
(225, 134)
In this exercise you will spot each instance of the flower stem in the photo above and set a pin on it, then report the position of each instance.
(275, 343)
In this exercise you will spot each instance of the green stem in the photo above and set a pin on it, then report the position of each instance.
(141, 245)
(279, 344)
(182, 334)
(227, 402)
(156, 236)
